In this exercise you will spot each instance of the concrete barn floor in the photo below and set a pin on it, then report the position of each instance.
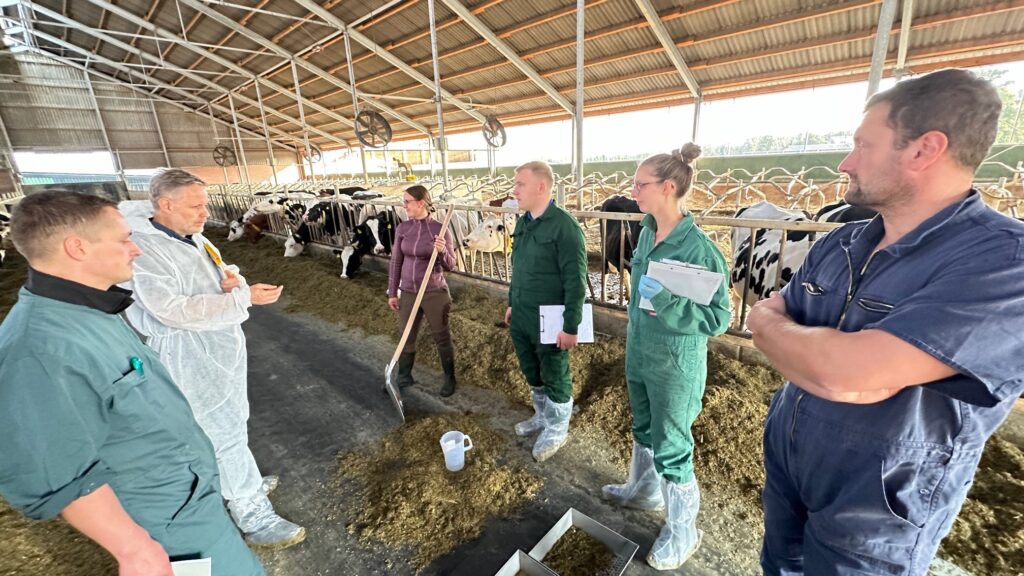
(315, 393)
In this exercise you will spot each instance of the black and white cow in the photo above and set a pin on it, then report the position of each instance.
(764, 268)
(617, 252)
(5, 229)
(382, 225)
(841, 212)
(491, 232)
(326, 218)
(347, 191)
(366, 195)
(351, 256)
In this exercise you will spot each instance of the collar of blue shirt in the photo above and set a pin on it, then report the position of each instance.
(186, 239)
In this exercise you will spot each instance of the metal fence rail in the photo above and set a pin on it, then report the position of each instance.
(605, 288)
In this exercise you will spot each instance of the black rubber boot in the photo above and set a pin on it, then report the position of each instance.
(405, 363)
(448, 365)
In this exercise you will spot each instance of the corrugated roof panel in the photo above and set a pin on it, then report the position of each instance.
(508, 14)
(805, 48)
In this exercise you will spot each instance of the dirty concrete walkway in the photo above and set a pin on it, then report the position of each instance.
(315, 392)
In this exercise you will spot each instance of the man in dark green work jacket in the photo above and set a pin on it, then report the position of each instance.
(94, 428)
(549, 267)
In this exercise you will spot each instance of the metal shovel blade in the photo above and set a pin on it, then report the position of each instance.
(393, 391)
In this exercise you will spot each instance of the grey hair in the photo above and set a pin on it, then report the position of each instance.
(170, 180)
(676, 166)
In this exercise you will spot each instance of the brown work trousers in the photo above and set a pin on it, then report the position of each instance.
(436, 306)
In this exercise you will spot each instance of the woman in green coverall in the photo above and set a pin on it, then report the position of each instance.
(666, 357)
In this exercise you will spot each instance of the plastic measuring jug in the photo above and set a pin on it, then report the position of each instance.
(454, 445)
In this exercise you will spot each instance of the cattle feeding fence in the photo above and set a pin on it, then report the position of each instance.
(607, 286)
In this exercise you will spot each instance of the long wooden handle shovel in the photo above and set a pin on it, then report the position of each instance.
(393, 390)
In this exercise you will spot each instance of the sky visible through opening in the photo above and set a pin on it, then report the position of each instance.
(723, 122)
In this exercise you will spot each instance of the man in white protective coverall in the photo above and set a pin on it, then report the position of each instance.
(190, 307)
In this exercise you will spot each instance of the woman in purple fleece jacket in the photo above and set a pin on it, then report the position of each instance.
(415, 240)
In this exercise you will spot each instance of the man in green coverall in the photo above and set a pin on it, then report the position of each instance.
(94, 428)
(549, 267)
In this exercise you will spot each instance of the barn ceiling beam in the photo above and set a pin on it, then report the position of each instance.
(223, 62)
(669, 45)
(387, 56)
(507, 32)
(881, 45)
(155, 82)
(266, 43)
(847, 71)
(846, 38)
(635, 25)
(136, 87)
(901, 54)
(501, 46)
(388, 9)
(227, 38)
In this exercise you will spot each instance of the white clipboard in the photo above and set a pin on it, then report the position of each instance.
(551, 324)
(201, 567)
(687, 280)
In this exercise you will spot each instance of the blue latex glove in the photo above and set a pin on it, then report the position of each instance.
(649, 287)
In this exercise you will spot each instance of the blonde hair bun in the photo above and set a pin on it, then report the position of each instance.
(688, 153)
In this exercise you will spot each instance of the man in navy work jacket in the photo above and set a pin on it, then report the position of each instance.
(900, 341)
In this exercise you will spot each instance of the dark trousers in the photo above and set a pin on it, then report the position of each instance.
(436, 307)
(842, 500)
(544, 365)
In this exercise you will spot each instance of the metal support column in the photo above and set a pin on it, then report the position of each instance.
(697, 103)
(116, 158)
(8, 152)
(442, 144)
(1016, 119)
(430, 153)
(302, 116)
(578, 115)
(238, 140)
(160, 133)
(216, 141)
(362, 157)
(881, 47)
(266, 131)
(901, 55)
(355, 101)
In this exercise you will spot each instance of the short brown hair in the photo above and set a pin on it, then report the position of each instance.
(958, 103)
(37, 218)
(541, 170)
(168, 181)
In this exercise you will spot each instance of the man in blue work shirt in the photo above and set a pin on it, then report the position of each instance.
(900, 341)
(94, 429)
